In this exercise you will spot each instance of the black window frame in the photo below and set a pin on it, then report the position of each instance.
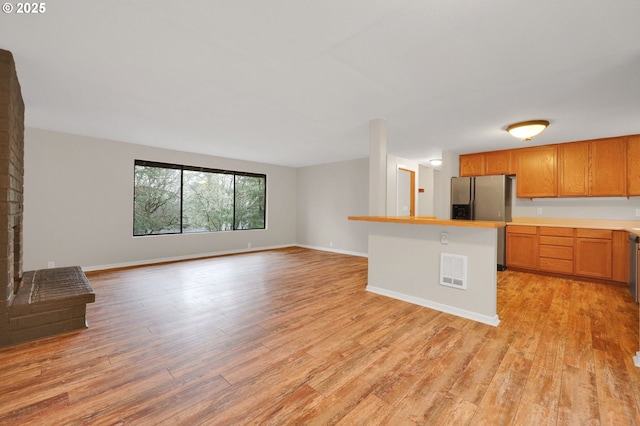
(183, 168)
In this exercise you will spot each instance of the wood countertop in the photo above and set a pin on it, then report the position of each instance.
(429, 220)
(632, 226)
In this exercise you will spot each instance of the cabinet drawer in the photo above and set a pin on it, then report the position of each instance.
(556, 265)
(556, 241)
(559, 232)
(556, 252)
(594, 233)
(522, 229)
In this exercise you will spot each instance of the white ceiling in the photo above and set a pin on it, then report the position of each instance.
(296, 82)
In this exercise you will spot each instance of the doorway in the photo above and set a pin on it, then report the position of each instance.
(406, 205)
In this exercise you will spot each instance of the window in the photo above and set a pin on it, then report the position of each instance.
(173, 199)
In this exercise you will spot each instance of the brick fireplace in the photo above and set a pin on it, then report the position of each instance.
(11, 186)
(33, 304)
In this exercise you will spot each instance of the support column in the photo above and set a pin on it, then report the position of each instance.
(378, 167)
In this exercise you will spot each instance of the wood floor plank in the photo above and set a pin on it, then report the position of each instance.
(616, 399)
(579, 403)
(543, 383)
(476, 377)
(370, 411)
(241, 401)
(530, 413)
(291, 336)
(456, 410)
(579, 347)
(38, 412)
(499, 404)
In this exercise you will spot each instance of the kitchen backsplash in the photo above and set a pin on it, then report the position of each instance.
(615, 208)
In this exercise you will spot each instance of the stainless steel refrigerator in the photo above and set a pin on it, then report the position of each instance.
(483, 198)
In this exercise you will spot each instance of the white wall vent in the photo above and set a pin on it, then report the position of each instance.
(453, 270)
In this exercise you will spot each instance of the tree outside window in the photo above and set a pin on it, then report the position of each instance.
(156, 201)
(170, 198)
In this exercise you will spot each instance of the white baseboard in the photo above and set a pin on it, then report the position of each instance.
(333, 250)
(493, 321)
(211, 254)
(179, 258)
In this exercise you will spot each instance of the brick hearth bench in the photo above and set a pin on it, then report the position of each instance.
(49, 302)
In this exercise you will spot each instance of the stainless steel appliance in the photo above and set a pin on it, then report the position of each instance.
(483, 198)
(633, 265)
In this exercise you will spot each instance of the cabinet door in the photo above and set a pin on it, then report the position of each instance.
(573, 169)
(472, 164)
(633, 165)
(522, 248)
(620, 255)
(537, 175)
(498, 163)
(608, 167)
(593, 258)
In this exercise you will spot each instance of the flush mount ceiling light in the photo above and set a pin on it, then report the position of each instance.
(435, 162)
(527, 129)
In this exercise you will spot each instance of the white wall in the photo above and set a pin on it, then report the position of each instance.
(326, 196)
(404, 263)
(612, 208)
(79, 204)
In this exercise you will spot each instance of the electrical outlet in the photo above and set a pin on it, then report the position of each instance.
(637, 212)
(330, 243)
(249, 245)
(444, 238)
(51, 264)
(539, 210)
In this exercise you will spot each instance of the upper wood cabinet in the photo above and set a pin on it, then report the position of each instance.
(633, 165)
(596, 168)
(573, 169)
(487, 163)
(472, 164)
(607, 167)
(498, 163)
(537, 172)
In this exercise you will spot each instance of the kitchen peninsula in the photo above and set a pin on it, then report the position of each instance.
(405, 256)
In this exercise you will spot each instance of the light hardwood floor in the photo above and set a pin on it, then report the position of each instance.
(291, 337)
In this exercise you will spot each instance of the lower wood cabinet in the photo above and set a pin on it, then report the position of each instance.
(590, 253)
(556, 250)
(620, 254)
(522, 247)
(593, 253)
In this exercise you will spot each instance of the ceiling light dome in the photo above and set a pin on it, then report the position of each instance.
(526, 130)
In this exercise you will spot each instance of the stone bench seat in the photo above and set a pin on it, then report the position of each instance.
(49, 302)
